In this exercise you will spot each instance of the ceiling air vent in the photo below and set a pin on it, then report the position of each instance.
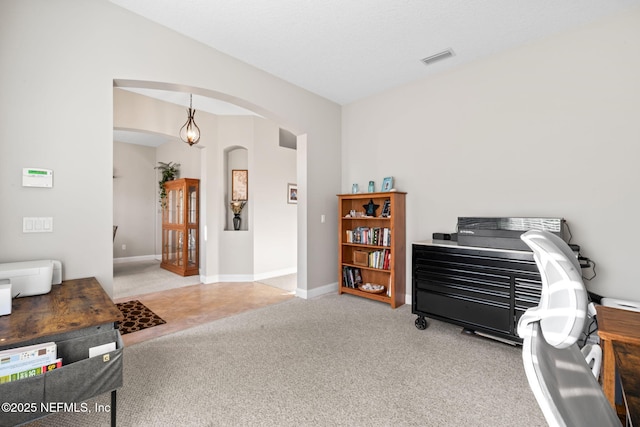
(437, 57)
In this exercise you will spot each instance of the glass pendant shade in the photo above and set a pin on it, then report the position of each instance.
(190, 132)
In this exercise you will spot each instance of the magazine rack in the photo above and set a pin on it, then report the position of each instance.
(77, 315)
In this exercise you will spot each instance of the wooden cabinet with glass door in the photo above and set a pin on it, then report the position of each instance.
(180, 225)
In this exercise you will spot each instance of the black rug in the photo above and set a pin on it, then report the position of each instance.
(137, 317)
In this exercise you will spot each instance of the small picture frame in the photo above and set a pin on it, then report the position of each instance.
(387, 184)
(292, 193)
(386, 209)
(240, 185)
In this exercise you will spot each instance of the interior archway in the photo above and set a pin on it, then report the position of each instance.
(207, 228)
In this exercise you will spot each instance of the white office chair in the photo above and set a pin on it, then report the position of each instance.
(563, 383)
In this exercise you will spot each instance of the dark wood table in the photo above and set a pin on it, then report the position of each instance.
(76, 310)
(628, 364)
(619, 326)
(72, 305)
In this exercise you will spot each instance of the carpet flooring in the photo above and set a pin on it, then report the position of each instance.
(337, 360)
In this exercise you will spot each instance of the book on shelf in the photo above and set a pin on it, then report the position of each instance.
(376, 236)
(380, 259)
(357, 277)
(351, 277)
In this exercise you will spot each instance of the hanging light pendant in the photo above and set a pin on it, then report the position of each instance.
(190, 132)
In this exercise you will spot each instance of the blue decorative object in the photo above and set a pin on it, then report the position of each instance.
(372, 186)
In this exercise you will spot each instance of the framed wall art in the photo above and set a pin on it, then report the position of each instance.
(292, 193)
(240, 184)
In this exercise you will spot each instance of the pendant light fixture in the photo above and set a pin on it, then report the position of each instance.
(190, 132)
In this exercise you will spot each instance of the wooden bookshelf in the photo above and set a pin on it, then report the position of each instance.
(364, 239)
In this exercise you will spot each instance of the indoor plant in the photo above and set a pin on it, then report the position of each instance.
(170, 171)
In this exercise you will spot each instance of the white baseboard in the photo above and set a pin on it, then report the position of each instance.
(135, 258)
(209, 279)
(248, 277)
(234, 278)
(330, 288)
(301, 293)
(275, 273)
(316, 292)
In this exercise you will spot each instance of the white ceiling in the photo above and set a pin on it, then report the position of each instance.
(346, 50)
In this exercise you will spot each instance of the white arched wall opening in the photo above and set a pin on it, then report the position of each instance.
(215, 244)
(236, 158)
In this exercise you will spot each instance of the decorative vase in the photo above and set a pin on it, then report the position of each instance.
(236, 208)
(372, 187)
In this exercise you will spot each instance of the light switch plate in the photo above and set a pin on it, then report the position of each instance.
(37, 224)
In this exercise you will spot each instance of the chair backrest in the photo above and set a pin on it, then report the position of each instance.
(562, 309)
(561, 380)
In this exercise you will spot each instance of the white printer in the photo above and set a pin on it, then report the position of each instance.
(31, 277)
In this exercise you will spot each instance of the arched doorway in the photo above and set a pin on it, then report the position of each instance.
(211, 164)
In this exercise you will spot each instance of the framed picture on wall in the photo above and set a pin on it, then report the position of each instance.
(240, 184)
(292, 193)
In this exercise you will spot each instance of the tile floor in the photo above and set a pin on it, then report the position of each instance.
(190, 306)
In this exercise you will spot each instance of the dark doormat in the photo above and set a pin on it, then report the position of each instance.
(137, 317)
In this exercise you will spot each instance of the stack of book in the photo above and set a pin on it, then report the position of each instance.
(27, 362)
(377, 236)
(351, 277)
(380, 259)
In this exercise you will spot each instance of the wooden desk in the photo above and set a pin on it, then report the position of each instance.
(72, 305)
(615, 325)
(628, 364)
(77, 315)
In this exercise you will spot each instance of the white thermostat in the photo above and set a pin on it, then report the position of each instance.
(34, 177)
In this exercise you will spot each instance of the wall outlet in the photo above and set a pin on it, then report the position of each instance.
(322, 218)
(124, 247)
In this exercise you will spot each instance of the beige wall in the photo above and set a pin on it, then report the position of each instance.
(135, 190)
(549, 129)
(58, 64)
(274, 219)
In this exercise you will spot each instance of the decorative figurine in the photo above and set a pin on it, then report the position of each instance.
(370, 208)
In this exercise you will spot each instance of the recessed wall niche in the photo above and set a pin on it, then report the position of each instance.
(235, 158)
